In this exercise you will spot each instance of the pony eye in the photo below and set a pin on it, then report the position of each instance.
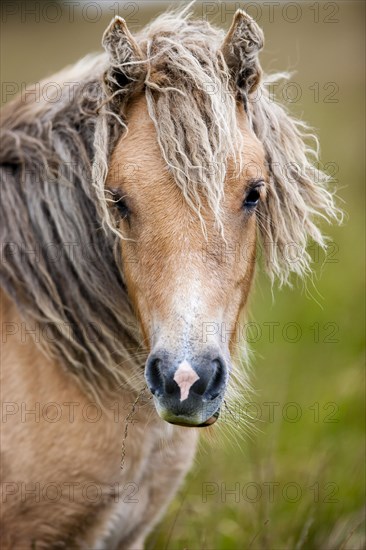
(122, 207)
(252, 198)
(119, 202)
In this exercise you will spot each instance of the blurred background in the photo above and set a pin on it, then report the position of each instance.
(293, 476)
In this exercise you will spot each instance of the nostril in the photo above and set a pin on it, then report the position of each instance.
(218, 379)
(154, 377)
(170, 386)
(200, 386)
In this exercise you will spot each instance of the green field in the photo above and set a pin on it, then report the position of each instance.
(292, 477)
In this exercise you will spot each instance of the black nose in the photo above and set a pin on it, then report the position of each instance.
(183, 387)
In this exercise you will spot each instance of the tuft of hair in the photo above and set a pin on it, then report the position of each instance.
(299, 195)
(187, 96)
(57, 265)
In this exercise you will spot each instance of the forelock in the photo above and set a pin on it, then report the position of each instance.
(192, 105)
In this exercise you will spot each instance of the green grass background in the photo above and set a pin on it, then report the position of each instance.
(319, 459)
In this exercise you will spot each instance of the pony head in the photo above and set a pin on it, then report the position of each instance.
(190, 183)
(172, 144)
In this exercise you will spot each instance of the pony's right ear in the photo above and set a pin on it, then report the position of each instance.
(240, 51)
(125, 56)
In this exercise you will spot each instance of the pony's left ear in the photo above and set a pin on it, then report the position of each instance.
(240, 51)
(125, 56)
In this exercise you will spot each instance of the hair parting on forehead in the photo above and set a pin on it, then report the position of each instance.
(53, 150)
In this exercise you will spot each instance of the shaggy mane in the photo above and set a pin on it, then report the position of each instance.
(60, 252)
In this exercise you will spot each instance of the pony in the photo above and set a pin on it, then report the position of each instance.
(134, 197)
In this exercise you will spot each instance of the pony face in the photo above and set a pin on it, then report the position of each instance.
(187, 282)
(204, 159)
(178, 124)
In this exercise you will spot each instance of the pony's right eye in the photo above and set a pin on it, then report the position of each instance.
(122, 207)
(118, 200)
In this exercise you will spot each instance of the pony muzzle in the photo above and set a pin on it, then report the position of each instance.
(188, 392)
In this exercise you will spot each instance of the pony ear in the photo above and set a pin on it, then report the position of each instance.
(240, 50)
(125, 56)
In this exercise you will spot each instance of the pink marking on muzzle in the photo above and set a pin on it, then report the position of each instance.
(185, 377)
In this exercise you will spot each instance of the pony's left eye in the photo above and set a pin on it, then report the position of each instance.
(252, 198)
